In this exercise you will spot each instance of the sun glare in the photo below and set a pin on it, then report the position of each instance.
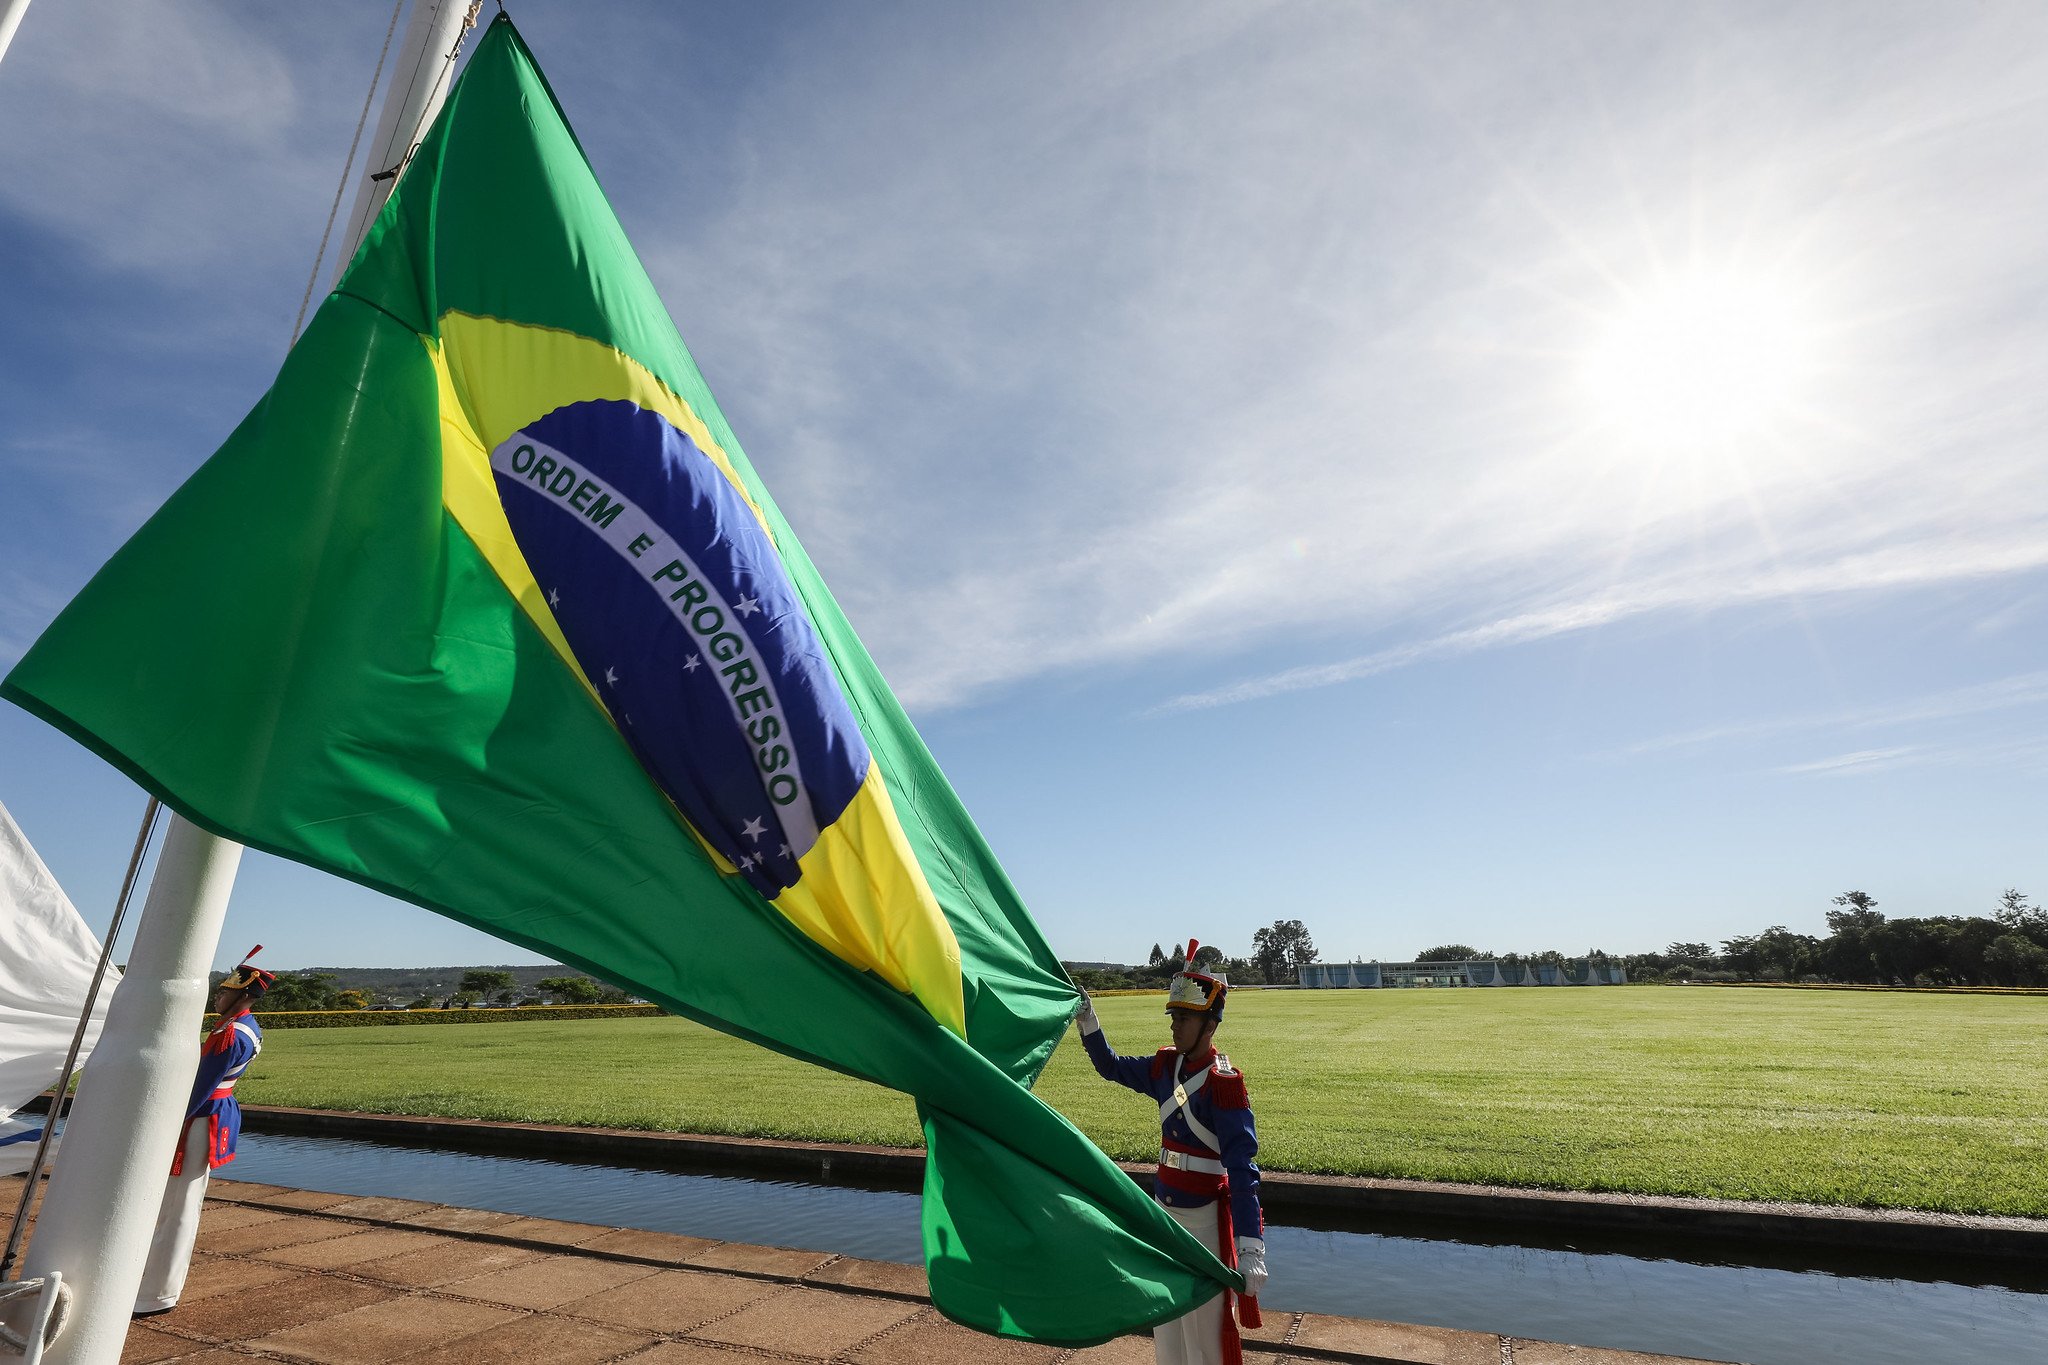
(1702, 361)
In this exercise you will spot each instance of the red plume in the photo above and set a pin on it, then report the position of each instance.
(1193, 944)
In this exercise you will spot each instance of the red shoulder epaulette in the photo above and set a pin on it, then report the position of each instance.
(1162, 1059)
(1226, 1085)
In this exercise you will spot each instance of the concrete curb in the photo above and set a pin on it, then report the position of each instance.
(1317, 1196)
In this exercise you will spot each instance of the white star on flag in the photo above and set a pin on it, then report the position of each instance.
(611, 679)
(746, 861)
(693, 663)
(746, 606)
(754, 829)
(784, 850)
(554, 598)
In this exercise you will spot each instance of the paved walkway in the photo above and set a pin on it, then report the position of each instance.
(296, 1275)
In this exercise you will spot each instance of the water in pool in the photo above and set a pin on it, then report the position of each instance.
(1767, 1315)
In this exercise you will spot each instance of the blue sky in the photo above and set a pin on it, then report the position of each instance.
(1567, 477)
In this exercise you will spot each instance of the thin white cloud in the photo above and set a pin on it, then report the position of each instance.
(147, 111)
(1088, 338)
(1071, 355)
(1860, 761)
(2019, 691)
(97, 476)
(2026, 754)
(1894, 569)
(184, 153)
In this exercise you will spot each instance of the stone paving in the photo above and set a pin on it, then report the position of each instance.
(301, 1276)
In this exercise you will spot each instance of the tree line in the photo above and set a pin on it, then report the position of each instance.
(2007, 947)
(323, 991)
(1279, 951)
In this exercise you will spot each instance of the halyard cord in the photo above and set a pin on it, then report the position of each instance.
(347, 166)
(52, 1329)
(447, 65)
(411, 142)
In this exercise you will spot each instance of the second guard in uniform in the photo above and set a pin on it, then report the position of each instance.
(1206, 1181)
(213, 1120)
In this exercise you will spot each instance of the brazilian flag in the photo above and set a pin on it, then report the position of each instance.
(484, 607)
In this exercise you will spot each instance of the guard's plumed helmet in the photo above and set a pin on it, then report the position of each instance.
(253, 980)
(1197, 992)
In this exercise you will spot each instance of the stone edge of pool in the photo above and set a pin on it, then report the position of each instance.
(1853, 1229)
(355, 1313)
(1287, 1336)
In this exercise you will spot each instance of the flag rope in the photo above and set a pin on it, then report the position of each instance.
(334, 209)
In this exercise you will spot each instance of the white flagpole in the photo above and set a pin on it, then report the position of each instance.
(101, 1207)
(97, 1218)
(419, 84)
(34, 1175)
(11, 13)
(10, 20)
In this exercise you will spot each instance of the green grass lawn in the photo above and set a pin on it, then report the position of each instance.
(1896, 1100)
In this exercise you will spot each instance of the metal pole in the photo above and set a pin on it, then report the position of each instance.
(10, 20)
(92, 993)
(97, 1219)
(101, 1207)
(419, 84)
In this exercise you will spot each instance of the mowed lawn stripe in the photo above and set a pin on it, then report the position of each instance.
(1882, 1100)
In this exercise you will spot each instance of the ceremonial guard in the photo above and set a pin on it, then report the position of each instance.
(231, 1044)
(1206, 1180)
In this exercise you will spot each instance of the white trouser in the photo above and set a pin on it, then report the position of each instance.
(177, 1223)
(1196, 1338)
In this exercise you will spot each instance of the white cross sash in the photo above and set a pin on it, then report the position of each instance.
(1177, 1103)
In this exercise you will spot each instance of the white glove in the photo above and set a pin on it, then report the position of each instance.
(1085, 1017)
(1251, 1263)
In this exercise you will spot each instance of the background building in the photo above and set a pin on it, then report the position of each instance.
(1584, 971)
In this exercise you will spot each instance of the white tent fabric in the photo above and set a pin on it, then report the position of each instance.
(47, 956)
(18, 1141)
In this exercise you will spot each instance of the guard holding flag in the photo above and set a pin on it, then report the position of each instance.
(231, 1044)
(1206, 1180)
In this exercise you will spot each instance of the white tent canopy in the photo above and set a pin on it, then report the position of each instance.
(47, 956)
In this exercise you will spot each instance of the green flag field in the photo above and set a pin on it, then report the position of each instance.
(489, 511)
(1872, 1099)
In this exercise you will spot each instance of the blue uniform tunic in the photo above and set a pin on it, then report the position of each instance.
(1219, 1105)
(229, 1048)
